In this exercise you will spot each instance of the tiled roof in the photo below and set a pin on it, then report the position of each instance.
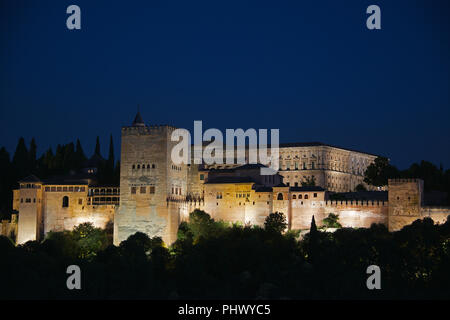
(306, 189)
(219, 180)
(31, 178)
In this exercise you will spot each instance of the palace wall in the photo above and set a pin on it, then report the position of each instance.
(9, 228)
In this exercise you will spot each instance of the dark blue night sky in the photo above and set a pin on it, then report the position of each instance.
(310, 68)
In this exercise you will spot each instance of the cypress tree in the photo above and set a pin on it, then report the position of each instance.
(97, 147)
(20, 159)
(6, 184)
(111, 154)
(32, 156)
(69, 157)
(80, 157)
(313, 240)
(313, 227)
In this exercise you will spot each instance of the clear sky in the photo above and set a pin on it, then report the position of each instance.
(310, 68)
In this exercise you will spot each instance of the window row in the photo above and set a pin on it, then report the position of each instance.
(65, 189)
(303, 197)
(28, 200)
(177, 168)
(176, 190)
(30, 186)
(143, 190)
(103, 191)
(242, 195)
(143, 166)
(103, 200)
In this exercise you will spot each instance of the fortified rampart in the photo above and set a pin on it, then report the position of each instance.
(156, 194)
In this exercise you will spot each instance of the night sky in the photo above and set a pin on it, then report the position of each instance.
(310, 68)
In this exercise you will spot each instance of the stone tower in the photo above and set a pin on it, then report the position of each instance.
(150, 183)
(405, 202)
(30, 224)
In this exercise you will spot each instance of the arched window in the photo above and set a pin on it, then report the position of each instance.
(294, 196)
(306, 196)
(65, 202)
(300, 196)
(280, 196)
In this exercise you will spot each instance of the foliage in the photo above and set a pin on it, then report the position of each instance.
(90, 239)
(360, 187)
(435, 179)
(239, 262)
(201, 226)
(309, 182)
(68, 158)
(275, 222)
(332, 221)
(378, 172)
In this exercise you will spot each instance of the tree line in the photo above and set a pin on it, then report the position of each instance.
(216, 260)
(437, 179)
(67, 158)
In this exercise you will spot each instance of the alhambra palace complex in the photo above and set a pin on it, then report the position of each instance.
(156, 195)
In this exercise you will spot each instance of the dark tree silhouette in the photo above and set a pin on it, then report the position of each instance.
(97, 150)
(275, 222)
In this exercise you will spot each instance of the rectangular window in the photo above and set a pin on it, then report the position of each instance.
(143, 189)
(70, 189)
(80, 201)
(315, 195)
(58, 189)
(64, 189)
(53, 189)
(152, 189)
(133, 190)
(202, 177)
(28, 200)
(47, 189)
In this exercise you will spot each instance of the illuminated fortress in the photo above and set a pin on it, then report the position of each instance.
(156, 195)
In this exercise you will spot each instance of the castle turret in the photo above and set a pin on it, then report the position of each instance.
(138, 122)
(30, 209)
(148, 179)
(405, 202)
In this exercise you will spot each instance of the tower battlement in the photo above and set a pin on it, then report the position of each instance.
(147, 130)
(399, 180)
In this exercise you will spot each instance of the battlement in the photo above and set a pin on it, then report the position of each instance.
(397, 181)
(356, 203)
(147, 130)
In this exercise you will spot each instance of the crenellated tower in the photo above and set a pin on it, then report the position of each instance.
(148, 180)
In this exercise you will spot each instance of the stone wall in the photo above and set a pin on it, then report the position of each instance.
(147, 211)
(30, 222)
(9, 228)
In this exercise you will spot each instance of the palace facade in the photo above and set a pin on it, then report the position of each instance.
(155, 194)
